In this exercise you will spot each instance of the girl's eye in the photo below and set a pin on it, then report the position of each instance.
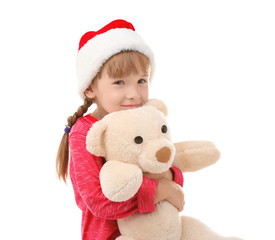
(142, 81)
(120, 82)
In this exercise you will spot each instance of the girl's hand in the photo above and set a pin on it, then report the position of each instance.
(167, 175)
(170, 191)
(176, 197)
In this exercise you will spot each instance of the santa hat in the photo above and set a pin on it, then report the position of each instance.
(95, 48)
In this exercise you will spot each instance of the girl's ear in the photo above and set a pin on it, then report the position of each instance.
(95, 139)
(89, 93)
(158, 104)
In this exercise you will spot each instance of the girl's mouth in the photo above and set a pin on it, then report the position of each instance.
(131, 106)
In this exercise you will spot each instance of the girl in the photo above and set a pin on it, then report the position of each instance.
(114, 66)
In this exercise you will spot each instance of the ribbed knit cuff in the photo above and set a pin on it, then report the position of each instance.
(178, 177)
(146, 195)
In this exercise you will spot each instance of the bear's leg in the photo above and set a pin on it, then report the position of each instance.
(193, 229)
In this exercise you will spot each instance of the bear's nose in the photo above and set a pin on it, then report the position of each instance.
(163, 155)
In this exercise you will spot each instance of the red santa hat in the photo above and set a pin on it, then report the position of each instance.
(95, 48)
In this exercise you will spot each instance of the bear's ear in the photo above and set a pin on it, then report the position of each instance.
(158, 104)
(95, 139)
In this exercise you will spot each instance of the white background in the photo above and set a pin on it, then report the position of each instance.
(215, 70)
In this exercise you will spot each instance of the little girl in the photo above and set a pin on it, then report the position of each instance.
(114, 67)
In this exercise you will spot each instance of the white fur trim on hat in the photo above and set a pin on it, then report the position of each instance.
(99, 49)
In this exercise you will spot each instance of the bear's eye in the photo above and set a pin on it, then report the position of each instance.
(164, 128)
(138, 140)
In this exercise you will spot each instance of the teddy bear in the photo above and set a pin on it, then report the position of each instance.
(138, 141)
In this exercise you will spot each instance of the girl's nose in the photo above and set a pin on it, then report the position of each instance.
(132, 92)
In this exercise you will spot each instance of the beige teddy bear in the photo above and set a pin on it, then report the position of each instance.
(136, 141)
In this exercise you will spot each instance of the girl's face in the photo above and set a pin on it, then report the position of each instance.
(116, 94)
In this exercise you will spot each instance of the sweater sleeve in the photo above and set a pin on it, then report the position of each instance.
(84, 172)
(178, 176)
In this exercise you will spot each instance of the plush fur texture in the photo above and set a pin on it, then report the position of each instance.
(120, 186)
(114, 137)
(188, 159)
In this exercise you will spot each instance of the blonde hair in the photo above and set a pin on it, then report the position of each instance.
(119, 65)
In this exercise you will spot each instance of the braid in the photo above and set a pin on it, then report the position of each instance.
(80, 112)
(62, 159)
